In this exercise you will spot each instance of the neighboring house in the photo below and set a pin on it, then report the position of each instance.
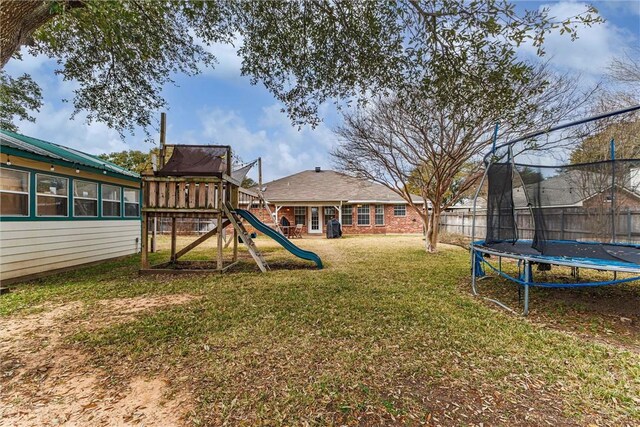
(60, 207)
(580, 189)
(313, 197)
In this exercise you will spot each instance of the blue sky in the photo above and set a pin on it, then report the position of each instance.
(221, 107)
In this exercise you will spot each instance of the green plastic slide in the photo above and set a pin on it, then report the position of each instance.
(283, 241)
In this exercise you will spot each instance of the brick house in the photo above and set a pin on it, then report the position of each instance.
(313, 197)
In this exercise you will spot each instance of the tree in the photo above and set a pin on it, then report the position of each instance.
(248, 183)
(627, 68)
(594, 146)
(18, 97)
(435, 149)
(133, 160)
(121, 53)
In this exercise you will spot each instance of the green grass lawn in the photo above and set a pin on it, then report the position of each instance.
(385, 334)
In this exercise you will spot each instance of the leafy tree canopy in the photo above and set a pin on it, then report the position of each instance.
(18, 98)
(121, 53)
(248, 183)
(134, 160)
(597, 147)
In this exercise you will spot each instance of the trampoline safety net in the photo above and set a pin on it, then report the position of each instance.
(580, 183)
(584, 202)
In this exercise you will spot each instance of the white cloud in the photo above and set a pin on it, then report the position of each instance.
(594, 49)
(28, 64)
(53, 124)
(284, 149)
(229, 63)
(631, 7)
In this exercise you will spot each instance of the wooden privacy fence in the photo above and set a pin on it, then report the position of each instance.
(561, 224)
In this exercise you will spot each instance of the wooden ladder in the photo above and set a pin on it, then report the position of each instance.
(246, 237)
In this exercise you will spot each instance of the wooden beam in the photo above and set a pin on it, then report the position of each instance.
(219, 246)
(199, 240)
(144, 259)
(171, 202)
(229, 266)
(162, 195)
(182, 201)
(192, 195)
(211, 196)
(202, 196)
(182, 179)
(235, 245)
(173, 238)
(153, 194)
(163, 137)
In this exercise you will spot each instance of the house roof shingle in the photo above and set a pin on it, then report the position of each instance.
(328, 186)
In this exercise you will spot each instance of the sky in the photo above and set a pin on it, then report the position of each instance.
(222, 107)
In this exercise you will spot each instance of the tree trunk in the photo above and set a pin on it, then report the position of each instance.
(433, 228)
(19, 19)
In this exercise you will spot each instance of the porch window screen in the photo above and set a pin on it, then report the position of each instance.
(85, 198)
(379, 214)
(52, 195)
(300, 214)
(110, 200)
(131, 202)
(14, 192)
(347, 215)
(363, 215)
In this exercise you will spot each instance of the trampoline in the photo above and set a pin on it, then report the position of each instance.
(545, 208)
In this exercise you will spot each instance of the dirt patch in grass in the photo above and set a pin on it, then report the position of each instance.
(47, 381)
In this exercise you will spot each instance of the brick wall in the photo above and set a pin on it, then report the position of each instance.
(410, 223)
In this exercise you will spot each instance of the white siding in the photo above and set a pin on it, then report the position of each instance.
(31, 247)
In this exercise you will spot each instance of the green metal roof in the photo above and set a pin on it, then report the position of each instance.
(25, 146)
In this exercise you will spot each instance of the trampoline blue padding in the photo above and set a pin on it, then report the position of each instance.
(601, 256)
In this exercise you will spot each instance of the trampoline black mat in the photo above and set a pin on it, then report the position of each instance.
(567, 249)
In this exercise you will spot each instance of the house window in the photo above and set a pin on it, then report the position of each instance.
(14, 192)
(110, 200)
(379, 215)
(52, 195)
(131, 202)
(329, 213)
(363, 215)
(300, 214)
(85, 198)
(400, 210)
(347, 215)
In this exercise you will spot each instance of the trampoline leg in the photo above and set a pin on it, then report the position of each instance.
(500, 264)
(473, 272)
(527, 280)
